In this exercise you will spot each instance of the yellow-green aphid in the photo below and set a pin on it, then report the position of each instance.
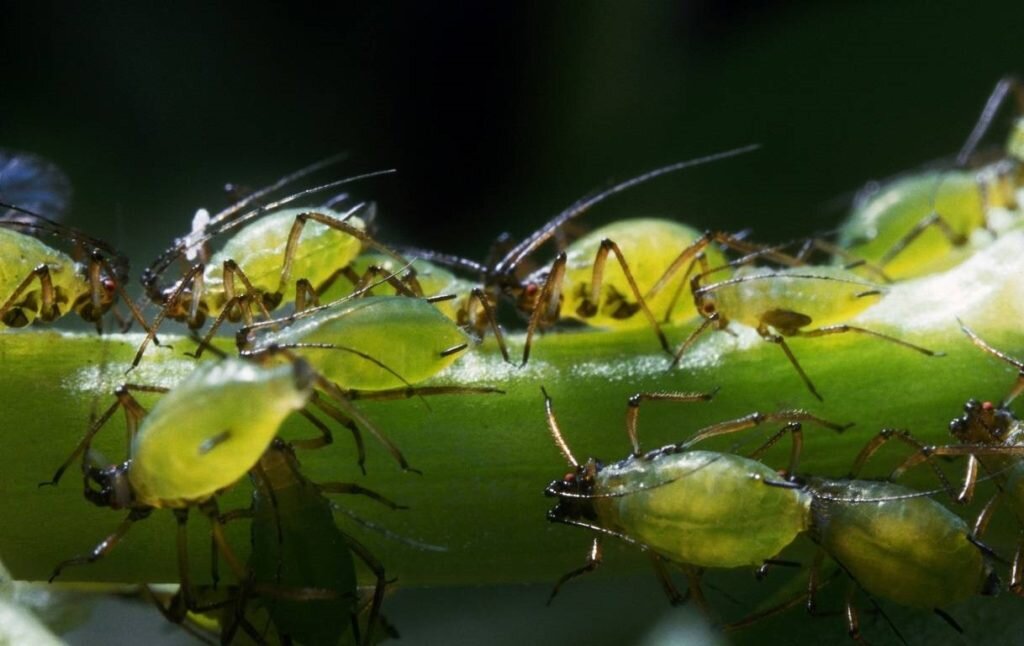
(926, 222)
(784, 303)
(651, 245)
(372, 343)
(38, 281)
(200, 438)
(883, 218)
(433, 279)
(691, 508)
(273, 256)
(896, 544)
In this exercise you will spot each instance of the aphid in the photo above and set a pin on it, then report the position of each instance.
(371, 343)
(38, 281)
(650, 256)
(34, 184)
(689, 507)
(298, 547)
(784, 303)
(275, 255)
(924, 222)
(200, 438)
(992, 438)
(893, 542)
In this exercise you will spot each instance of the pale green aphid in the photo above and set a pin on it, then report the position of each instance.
(788, 302)
(691, 508)
(275, 255)
(199, 439)
(923, 222)
(371, 343)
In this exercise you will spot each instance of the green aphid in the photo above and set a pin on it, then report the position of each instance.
(301, 556)
(275, 255)
(695, 509)
(372, 343)
(199, 439)
(924, 222)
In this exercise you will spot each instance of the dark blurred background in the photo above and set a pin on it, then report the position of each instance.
(496, 116)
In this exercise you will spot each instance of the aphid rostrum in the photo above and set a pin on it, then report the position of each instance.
(684, 506)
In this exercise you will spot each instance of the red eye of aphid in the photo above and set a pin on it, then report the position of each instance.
(570, 477)
(108, 284)
(987, 406)
(531, 289)
(709, 308)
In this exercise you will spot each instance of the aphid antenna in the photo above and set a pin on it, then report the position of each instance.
(598, 529)
(45, 225)
(507, 265)
(999, 354)
(387, 533)
(988, 113)
(556, 432)
(445, 259)
(170, 255)
(746, 279)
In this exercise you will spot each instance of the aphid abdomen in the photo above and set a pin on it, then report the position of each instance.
(407, 335)
(259, 249)
(310, 553)
(913, 551)
(649, 246)
(881, 219)
(207, 432)
(825, 295)
(702, 508)
(22, 254)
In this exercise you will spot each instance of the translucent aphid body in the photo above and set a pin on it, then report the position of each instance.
(700, 507)
(418, 343)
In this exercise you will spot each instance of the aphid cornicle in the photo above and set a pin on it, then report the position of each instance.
(298, 547)
(893, 542)
(275, 255)
(688, 507)
(201, 438)
(784, 303)
(38, 281)
(923, 222)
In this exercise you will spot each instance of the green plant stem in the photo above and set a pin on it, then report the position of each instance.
(487, 458)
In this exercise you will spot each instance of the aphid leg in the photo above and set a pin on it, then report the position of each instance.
(305, 296)
(47, 307)
(675, 597)
(695, 592)
(985, 515)
(105, 546)
(971, 450)
(756, 419)
(100, 261)
(780, 341)
(241, 303)
(633, 410)
(194, 277)
(1018, 386)
(378, 591)
(545, 309)
(133, 413)
(1017, 569)
(594, 558)
(231, 269)
(852, 261)
(225, 518)
(713, 319)
(209, 509)
(589, 307)
(420, 391)
(491, 318)
(808, 597)
(1003, 88)
(296, 232)
(354, 489)
(339, 398)
(702, 261)
(338, 416)
(850, 613)
(932, 220)
(795, 431)
(556, 432)
(907, 438)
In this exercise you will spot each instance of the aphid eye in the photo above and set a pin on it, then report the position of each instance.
(709, 308)
(531, 289)
(569, 477)
(987, 406)
(109, 285)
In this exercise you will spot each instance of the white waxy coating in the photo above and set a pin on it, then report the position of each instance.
(211, 429)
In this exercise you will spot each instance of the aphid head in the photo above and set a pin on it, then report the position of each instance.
(525, 295)
(92, 310)
(114, 490)
(575, 494)
(982, 423)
